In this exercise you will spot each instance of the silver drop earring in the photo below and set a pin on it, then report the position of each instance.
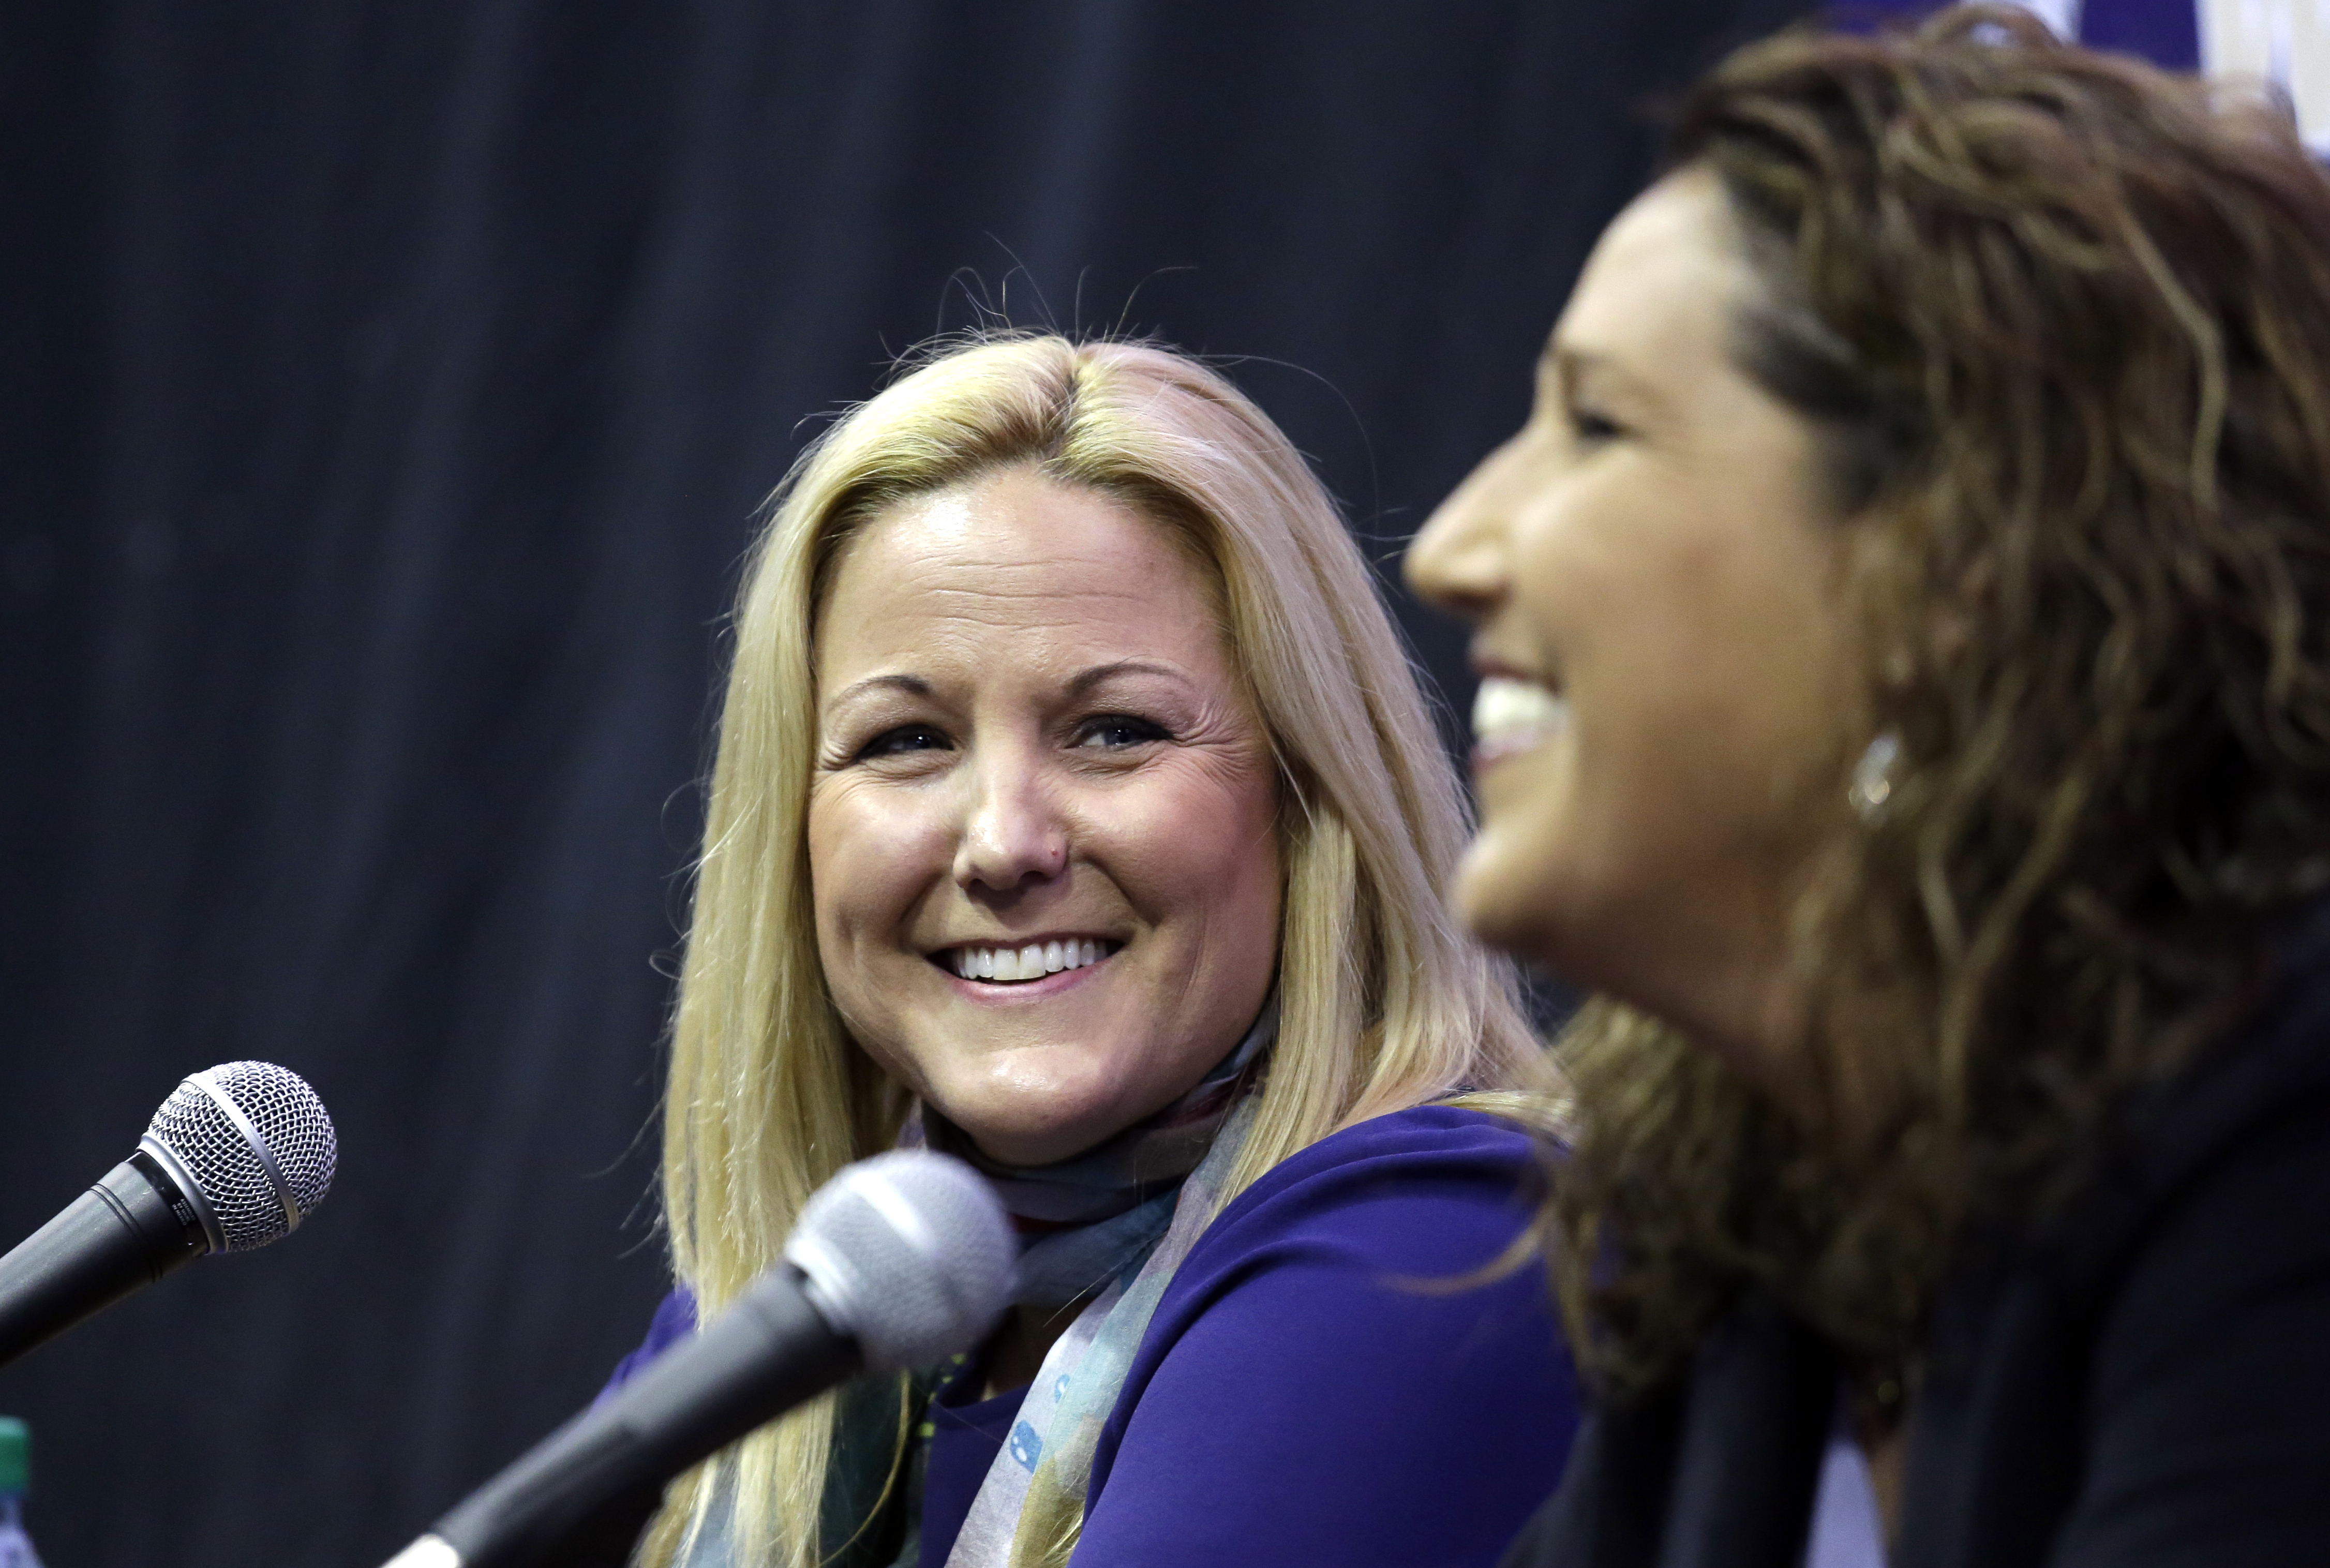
(1872, 775)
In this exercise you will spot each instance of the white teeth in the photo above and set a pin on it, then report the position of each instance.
(1508, 714)
(1032, 962)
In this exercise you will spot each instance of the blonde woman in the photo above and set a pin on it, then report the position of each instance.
(1077, 812)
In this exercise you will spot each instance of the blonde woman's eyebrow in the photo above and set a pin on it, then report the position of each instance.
(1079, 686)
(913, 686)
(1100, 675)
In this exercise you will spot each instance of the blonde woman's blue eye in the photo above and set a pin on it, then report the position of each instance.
(1117, 733)
(905, 738)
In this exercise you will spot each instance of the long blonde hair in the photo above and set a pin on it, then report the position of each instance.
(1383, 1003)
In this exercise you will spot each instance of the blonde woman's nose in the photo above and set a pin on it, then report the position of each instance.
(1011, 832)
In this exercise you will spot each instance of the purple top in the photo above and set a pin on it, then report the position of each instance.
(1376, 1417)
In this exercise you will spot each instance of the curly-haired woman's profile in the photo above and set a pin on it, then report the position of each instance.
(1907, 624)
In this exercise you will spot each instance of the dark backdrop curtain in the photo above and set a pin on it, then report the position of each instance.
(386, 388)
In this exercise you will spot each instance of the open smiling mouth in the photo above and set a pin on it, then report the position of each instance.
(1016, 966)
(1511, 715)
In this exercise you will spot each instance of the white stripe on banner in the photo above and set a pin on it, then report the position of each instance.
(2285, 42)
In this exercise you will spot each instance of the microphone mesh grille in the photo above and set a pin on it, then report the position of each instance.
(287, 1116)
(913, 1251)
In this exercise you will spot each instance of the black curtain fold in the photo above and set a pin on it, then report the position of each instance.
(387, 389)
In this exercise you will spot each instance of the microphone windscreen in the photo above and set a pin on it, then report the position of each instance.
(256, 1144)
(909, 1253)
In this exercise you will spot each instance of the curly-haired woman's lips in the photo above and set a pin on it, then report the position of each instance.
(1511, 714)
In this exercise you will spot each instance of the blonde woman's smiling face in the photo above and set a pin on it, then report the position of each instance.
(1042, 823)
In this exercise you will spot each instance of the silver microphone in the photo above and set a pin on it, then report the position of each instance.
(898, 1262)
(237, 1157)
(256, 1148)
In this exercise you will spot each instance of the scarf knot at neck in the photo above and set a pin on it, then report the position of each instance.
(1085, 1220)
(1146, 1160)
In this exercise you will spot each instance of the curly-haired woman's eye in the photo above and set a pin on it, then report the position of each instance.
(1591, 427)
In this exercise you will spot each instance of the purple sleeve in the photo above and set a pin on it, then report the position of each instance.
(674, 1320)
(1306, 1394)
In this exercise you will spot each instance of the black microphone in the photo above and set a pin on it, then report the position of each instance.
(235, 1158)
(900, 1261)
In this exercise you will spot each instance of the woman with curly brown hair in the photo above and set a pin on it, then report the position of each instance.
(1905, 630)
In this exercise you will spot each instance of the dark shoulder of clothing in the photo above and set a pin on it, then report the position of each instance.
(2141, 1381)
(1338, 1374)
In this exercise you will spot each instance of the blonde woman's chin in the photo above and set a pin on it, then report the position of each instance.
(1049, 1107)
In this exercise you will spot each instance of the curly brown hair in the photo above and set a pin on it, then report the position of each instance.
(2064, 322)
